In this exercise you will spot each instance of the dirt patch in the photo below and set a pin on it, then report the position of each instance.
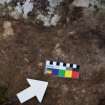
(81, 41)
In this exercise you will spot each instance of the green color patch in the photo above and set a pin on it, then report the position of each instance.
(61, 73)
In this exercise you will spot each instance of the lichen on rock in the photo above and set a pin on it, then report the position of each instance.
(51, 19)
(2, 2)
(46, 13)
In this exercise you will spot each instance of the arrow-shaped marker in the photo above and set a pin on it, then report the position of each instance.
(37, 88)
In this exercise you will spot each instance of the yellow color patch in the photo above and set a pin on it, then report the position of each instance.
(49, 72)
(68, 74)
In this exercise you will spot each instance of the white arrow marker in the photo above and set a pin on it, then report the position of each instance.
(37, 88)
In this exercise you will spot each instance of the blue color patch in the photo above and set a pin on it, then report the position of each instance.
(55, 71)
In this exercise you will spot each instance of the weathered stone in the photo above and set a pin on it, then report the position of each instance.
(8, 30)
(81, 3)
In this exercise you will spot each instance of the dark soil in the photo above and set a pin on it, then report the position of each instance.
(81, 41)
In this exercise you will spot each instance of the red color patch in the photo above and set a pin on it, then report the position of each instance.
(75, 75)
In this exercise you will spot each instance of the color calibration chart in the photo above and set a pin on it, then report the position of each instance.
(61, 69)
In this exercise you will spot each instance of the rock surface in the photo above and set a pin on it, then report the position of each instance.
(81, 3)
(78, 37)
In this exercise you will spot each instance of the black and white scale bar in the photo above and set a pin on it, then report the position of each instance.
(61, 64)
